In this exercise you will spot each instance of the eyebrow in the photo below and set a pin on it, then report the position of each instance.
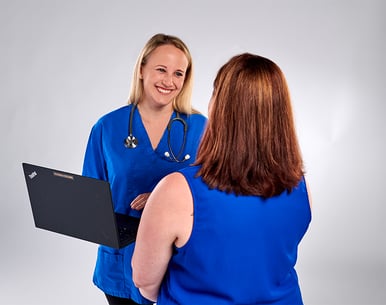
(163, 66)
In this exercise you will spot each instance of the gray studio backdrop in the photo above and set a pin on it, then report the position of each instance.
(65, 63)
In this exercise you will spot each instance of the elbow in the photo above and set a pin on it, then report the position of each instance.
(138, 280)
(136, 276)
(139, 276)
(147, 290)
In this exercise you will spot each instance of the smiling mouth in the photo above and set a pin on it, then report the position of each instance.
(164, 91)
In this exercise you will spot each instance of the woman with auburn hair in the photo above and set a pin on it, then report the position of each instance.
(133, 147)
(227, 230)
(251, 147)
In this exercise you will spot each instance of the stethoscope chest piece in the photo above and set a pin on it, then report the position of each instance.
(131, 142)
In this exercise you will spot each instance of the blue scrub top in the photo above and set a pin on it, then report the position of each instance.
(130, 172)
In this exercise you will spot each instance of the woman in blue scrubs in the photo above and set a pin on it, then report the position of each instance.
(133, 147)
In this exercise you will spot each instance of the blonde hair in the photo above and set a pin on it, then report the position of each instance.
(182, 102)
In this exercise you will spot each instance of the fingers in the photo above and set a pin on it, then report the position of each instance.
(139, 202)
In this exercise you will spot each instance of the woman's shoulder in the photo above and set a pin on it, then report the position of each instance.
(197, 118)
(189, 170)
(114, 114)
(170, 189)
(113, 117)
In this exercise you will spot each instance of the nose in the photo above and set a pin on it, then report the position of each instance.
(168, 80)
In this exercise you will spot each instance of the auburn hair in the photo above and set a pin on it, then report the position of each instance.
(250, 145)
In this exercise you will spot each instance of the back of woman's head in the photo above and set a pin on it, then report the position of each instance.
(182, 102)
(250, 145)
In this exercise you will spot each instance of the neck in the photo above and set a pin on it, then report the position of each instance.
(154, 113)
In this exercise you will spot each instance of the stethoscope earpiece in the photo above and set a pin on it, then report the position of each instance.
(132, 142)
(167, 155)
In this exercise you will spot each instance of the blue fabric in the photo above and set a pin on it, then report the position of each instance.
(242, 249)
(131, 172)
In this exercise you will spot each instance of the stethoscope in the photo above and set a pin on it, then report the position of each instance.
(132, 142)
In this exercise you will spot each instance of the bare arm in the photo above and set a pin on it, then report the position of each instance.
(167, 220)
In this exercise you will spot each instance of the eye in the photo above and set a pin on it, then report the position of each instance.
(163, 70)
(179, 74)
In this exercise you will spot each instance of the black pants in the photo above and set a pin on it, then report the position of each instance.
(119, 301)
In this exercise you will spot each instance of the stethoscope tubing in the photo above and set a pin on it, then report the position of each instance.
(132, 142)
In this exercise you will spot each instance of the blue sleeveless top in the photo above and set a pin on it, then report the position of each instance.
(242, 249)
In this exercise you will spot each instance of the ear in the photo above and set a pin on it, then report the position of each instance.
(140, 74)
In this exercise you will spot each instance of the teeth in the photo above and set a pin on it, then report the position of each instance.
(164, 90)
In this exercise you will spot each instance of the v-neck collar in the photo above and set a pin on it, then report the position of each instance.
(144, 137)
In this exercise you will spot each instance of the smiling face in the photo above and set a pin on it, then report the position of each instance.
(163, 75)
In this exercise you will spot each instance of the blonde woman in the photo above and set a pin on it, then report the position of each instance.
(136, 145)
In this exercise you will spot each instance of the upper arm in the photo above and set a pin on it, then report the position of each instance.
(166, 221)
(94, 163)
